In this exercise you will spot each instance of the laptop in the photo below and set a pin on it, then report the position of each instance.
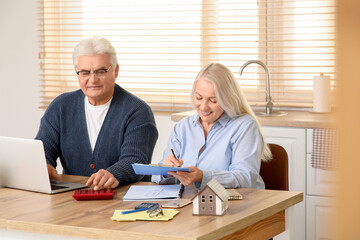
(23, 166)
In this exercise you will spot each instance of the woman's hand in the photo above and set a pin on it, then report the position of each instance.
(187, 178)
(171, 160)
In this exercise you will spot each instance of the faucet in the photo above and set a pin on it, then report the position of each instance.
(269, 104)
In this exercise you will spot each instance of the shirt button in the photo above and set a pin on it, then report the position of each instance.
(92, 166)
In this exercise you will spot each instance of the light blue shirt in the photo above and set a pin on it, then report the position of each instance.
(231, 153)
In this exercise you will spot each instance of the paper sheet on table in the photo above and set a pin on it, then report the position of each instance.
(152, 192)
(178, 203)
(143, 215)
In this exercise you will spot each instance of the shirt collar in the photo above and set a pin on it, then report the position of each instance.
(223, 120)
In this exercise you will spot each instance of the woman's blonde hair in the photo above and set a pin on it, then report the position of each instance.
(230, 96)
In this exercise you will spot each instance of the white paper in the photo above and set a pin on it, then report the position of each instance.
(152, 192)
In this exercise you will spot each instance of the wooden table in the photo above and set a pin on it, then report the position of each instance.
(260, 214)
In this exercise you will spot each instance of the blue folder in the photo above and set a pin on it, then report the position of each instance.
(144, 169)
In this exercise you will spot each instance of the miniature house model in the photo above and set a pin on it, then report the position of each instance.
(211, 200)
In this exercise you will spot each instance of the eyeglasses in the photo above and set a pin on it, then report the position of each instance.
(100, 73)
(155, 211)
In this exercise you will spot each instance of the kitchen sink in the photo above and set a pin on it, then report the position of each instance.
(272, 114)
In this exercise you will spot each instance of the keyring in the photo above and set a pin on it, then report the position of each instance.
(155, 211)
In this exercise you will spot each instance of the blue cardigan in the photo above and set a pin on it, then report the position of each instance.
(128, 135)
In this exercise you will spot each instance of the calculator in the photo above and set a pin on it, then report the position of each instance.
(145, 205)
(91, 194)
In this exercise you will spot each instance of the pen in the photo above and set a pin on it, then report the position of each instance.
(181, 190)
(135, 210)
(182, 185)
(173, 153)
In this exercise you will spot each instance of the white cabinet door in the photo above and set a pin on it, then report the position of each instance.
(293, 141)
(320, 214)
(320, 182)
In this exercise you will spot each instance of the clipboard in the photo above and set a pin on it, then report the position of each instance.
(155, 169)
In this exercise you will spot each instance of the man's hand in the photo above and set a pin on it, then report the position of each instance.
(187, 178)
(53, 174)
(103, 179)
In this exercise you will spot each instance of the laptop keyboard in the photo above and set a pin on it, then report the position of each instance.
(54, 187)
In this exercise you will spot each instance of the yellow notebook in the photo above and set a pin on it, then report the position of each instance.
(234, 194)
(143, 215)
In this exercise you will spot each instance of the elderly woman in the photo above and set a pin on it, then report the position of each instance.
(100, 129)
(223, 140)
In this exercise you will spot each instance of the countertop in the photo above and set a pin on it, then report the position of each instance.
(298, 119)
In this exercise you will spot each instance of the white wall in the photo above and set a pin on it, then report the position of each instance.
(19, 75)
(20, 79)
(164, 126)
(20, 84)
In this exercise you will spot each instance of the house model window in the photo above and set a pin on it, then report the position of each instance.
(211, 200)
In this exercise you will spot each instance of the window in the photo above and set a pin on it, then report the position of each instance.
(163, 44)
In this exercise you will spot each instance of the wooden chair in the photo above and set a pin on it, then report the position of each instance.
(275, 171)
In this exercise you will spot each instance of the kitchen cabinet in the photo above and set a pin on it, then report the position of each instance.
(293, 140)
(320, 182)
(320, 212)
(320, 197)
(310, 219)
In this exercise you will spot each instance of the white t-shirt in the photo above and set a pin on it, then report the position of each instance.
(95, 116)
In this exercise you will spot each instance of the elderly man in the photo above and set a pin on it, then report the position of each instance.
(100, 130)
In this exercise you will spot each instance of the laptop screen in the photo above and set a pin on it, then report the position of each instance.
(23, 165)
